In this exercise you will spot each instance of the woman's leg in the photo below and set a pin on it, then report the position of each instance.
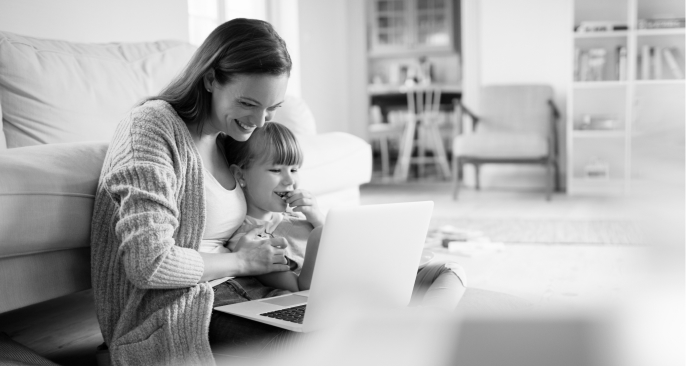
(238, 340)
(439, 285)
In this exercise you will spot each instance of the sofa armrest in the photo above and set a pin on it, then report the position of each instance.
(46, 204)
(335, 162)
(46, 196)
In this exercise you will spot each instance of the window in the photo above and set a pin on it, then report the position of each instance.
(205, 15)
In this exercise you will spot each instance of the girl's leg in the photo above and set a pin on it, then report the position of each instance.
(439, 285)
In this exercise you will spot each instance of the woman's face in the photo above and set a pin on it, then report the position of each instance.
(245, 103)
(265, 187)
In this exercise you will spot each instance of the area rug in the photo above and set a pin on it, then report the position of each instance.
(549, 231)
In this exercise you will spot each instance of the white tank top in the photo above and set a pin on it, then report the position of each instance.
(225, 211)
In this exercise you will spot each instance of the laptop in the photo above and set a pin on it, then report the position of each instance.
(367, 260)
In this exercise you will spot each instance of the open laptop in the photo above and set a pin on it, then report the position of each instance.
(368, 258)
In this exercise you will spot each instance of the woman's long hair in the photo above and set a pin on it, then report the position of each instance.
(239, 46)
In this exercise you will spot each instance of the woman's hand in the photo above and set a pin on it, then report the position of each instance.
(304, 202)
(258, 256)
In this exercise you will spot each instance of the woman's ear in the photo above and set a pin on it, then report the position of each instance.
(208, 80)
(237, 173)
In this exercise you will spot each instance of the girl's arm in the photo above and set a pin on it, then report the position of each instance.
(304, 202)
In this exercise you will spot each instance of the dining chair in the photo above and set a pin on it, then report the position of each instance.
(422, 132)
(515, 124)
(384, 133)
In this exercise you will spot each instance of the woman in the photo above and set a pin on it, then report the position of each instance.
(151, 215)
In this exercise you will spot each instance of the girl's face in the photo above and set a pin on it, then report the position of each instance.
(265, 185)
(245, 103)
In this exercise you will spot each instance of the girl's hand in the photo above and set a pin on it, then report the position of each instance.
(304, 202)
(261, 256)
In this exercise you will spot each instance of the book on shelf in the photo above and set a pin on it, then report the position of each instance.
(596, 64)
(661, 23)
(589, 65)
(577, 59)
(621, 63)
(599, 26)
(646, 51)
(671, 60)
(657, 62)
(583, 66)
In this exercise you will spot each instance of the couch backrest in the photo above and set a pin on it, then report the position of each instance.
(57, 92)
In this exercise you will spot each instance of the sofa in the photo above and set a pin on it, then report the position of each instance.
(60, 102)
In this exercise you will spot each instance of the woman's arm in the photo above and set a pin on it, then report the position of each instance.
(250, 256)
(289, 280)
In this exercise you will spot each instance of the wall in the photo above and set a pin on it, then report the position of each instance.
(519, 41)
(333, 57)
(96, 20)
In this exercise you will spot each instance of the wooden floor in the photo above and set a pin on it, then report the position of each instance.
(65, 330)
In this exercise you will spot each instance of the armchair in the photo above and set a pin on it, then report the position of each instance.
(517, 124)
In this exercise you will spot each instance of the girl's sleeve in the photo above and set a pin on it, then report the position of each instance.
(148, 219)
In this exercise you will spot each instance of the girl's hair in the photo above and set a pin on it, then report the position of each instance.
(239, 46)
(274, 143)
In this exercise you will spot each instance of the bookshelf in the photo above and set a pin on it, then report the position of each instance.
(627, 81)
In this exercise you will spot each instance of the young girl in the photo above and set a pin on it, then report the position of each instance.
(266, 167)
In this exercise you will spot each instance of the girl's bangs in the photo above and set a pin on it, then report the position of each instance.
(278, 146)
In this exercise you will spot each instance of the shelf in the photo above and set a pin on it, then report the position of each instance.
(612, 34)
(601, 84)
(660, 32)
(660, 82)
(594, 134)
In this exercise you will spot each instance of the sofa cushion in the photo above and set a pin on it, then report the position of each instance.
(56, 91)
(501, 145)
(46, 196)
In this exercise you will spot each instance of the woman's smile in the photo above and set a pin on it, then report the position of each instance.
(245, 127)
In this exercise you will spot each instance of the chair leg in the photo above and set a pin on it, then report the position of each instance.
(477, 167)
(439, 151)
(404, 155)
(385, 161)
(456, 177)
(557, 176)
(421, 149)
(549, 181)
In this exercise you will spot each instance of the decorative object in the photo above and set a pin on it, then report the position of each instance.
(596, 169)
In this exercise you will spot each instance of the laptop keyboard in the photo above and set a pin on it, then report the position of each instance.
(293, 314)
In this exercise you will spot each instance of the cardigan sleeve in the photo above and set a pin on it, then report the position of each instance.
(145, 180)
(148, 218)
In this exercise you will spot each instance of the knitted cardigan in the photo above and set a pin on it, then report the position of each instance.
(148, 221)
